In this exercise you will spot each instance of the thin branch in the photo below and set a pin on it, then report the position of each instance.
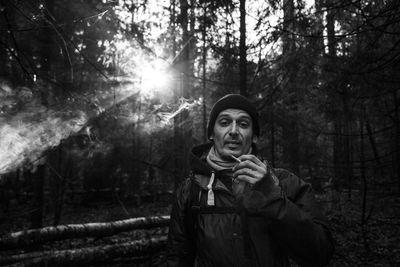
(63, 40)
(15, 45)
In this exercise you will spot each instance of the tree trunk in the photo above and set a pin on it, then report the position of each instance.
(62, 175)
(337, 146)
(173, 27)
(290, 129)
(378, 169)
(272, 132)
(4, 63)
(38, 197)
(372, 142)
(18, 72)
(49, 60)
(334, 100)
(138, 145)
(47, 39)
(347, 140)
(192, 48)
(182, 123)
(396, 116)
(243, 50)
(318, 41)
(364, 185)
(185, 60)
(61, 232)
(67, 76)
(204, 90)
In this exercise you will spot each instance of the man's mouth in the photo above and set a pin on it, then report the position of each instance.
(233, 144)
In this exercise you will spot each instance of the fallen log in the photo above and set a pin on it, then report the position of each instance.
(104, 253)
(53, 233)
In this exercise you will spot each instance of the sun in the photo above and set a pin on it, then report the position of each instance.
(154, 76)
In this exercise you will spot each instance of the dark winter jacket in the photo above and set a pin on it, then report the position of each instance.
(264, 226)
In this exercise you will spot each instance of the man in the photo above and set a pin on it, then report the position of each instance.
(235, 210)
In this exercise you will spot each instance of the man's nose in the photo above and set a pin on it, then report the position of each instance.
(234, 130)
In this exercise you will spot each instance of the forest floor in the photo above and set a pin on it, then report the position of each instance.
(376, 243)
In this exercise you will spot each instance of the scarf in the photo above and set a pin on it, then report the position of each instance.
(219, 164)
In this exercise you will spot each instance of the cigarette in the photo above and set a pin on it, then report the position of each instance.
(235, 158)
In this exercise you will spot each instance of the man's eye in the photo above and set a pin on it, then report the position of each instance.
(244, 124)
(224, 122)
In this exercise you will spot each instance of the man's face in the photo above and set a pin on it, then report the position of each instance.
(233, 133)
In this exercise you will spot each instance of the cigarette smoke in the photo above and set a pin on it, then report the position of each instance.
(161, 118)
(28, 129)
(24, 142)
(166, 118)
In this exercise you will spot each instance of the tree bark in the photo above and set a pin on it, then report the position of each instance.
(243, 50)
(318, 40)
(173, 27)
(47, 39)
(290, 131)
(182, 123)
(138, 147)
(204, 91)
(364, 185)
(334, 101)
(38, 197)
(272, 132)
(191, 48)
(4, 64)
(185, 60)
(396, 103)
(61, 232)
(347, 140)
(21, 73)
(372, 141)
(62, 175)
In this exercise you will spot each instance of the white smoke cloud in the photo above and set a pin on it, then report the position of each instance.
(25, 141)
(28, 129)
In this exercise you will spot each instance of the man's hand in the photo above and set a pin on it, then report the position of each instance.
(250, 169)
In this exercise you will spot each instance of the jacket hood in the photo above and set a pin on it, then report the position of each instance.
(197, 160)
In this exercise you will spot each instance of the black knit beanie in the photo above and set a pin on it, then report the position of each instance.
(237, 102)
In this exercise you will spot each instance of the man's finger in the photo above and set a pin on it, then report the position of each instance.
(250, 157)
(249, 172)
(246, 178)
(261, 167)
(245, 171)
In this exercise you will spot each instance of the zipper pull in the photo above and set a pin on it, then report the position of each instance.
(210, 195)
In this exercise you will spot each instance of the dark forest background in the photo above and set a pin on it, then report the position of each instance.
(101, 101)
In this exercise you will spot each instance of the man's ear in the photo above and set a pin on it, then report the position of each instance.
(254, 139)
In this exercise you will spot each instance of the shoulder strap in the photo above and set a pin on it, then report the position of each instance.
(193, 200)
(190, 219)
